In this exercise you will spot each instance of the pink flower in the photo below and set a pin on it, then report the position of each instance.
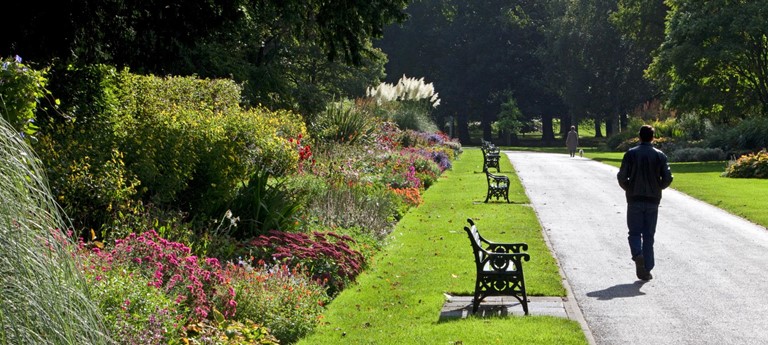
(201, 312)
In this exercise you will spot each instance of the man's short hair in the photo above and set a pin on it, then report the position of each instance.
(646, 133)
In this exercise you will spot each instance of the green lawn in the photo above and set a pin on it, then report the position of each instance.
(399, 298)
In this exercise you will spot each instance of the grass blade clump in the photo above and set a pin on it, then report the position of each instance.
(43, 298)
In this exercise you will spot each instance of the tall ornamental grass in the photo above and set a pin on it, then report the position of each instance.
(44, 299)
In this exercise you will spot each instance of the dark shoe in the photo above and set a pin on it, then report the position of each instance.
(647, 276)
(640, 267)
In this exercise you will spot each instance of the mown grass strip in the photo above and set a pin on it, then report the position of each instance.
(399, 298)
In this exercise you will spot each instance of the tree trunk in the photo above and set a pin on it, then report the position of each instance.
(565, 125)
(598, 129)
(547, 134)
(487, 135)
(610, 125)
(623, 122)
(462, 130)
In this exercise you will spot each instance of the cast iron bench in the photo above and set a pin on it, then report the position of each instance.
(491, 156)
(498, 187)
(499, 268)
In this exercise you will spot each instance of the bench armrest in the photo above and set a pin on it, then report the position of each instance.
(509, 256)
(506, 247)
(503, 262)
(498, 178)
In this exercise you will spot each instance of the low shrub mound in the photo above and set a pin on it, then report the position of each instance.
(754, 165)
(328, 257)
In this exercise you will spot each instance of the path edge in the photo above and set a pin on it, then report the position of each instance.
(571, 305)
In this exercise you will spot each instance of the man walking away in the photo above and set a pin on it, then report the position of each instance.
(643, 174)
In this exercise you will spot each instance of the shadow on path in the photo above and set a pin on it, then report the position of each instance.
(619, 291)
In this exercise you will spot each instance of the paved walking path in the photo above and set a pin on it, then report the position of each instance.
(710, 283)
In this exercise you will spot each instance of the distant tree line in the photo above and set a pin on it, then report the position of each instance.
(584, 59)
(503, 64)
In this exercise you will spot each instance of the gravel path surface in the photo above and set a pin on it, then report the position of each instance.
(710, 283)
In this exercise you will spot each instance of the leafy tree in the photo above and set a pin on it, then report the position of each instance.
(290, 54)
(642, 21)
(297, 76)
(151, 36)
(598, 72)
(148, 36)
(473, 51)
(713, 58)
(509, 122)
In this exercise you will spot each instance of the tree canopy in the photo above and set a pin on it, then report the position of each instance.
(567, 59)
(714, 58)
(294, 54)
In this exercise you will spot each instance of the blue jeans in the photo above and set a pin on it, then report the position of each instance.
(641, 221)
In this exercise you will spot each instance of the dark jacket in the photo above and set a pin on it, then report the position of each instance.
(644, 173)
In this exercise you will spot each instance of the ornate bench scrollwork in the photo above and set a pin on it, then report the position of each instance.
(499, 268)
(498, 187)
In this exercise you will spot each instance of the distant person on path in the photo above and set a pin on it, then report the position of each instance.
(643, 174)
(572, 141)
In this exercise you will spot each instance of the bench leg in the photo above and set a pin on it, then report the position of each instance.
(524, 302)
(477, 297)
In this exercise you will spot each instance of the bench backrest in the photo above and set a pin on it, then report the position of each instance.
(477, 248)
(491, 182)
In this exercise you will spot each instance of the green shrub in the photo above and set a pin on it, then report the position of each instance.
(619, 142)
(692, 126)
(697, 154)
(343, 122)
(283, 300)
(754, 165)
(134, 310)
(667, 128)
(93, 186)
(131, 143)
(412, 117)
(21, 88)
(264, 204)
(663, 144)
(746, 136)
(196, 153)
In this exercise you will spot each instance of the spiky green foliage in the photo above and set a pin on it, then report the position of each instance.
(44, 299)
